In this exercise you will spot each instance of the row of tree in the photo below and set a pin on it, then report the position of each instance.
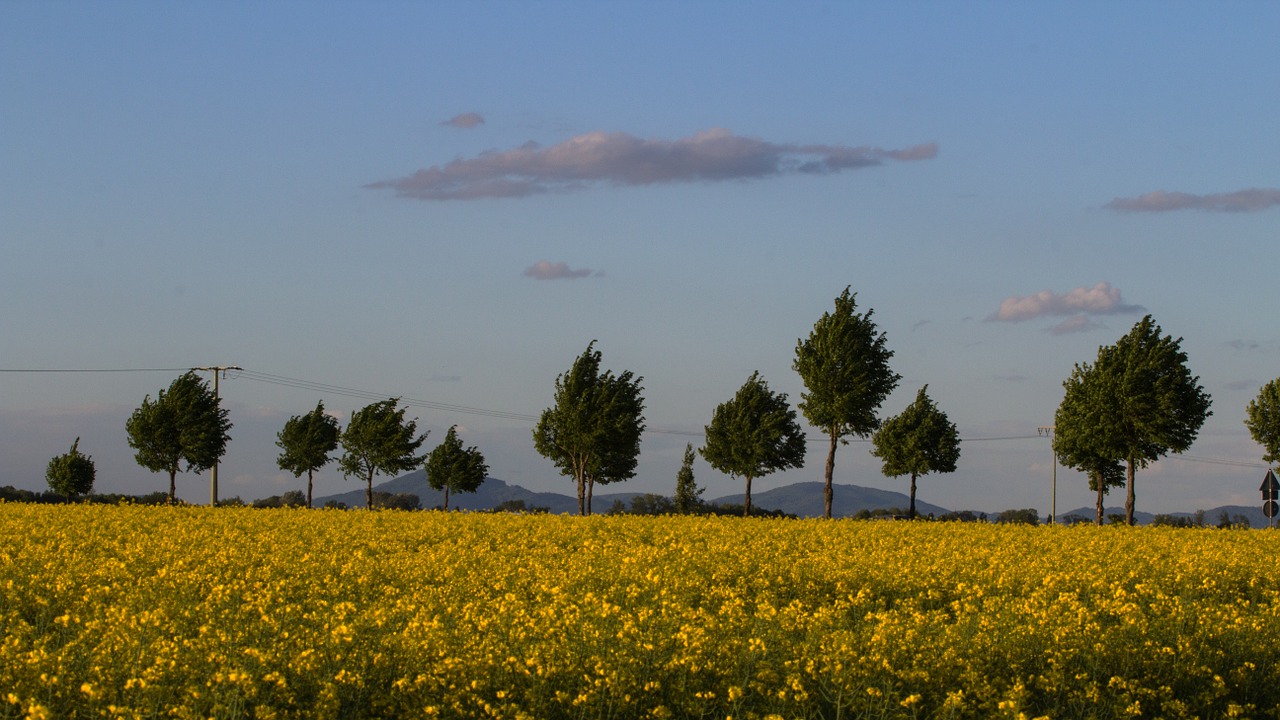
(1134, 404)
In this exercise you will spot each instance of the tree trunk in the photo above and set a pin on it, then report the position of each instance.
(582, 493)
(446, 497)
(1128, 501)
(368, 491)
(309, 473)
(911, 513)
(591, 487)
(173, 485)
(1102, 491)
(746, 502)
(831, 469)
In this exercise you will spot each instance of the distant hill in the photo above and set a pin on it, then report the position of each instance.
(803, 499)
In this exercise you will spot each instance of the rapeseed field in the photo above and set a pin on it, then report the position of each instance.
(145, 612)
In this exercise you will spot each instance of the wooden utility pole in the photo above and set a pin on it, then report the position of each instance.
(217, 370)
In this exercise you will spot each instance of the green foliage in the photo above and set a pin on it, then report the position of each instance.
(290, 499)
(1263, 420)
(1157, 405)
(453, 469)
(1028, 516)
(753, 435)
(652, 504)
(688, 495)
(396, 501)
(919, 441)
(592, 431)
(184, 424)
(378, 439)
(845, 367)
(307, 442)
(1084, 436)
(519, 506)
(72, 473)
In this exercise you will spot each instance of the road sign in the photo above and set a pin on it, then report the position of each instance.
(1270, 508)
(1270, 487)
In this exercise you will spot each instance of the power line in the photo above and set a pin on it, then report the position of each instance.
(93, 370)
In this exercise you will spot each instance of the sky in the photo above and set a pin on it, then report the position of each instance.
(447, 202)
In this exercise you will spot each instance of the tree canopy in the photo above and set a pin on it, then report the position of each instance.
(184, 424)
(753, 435)
(919, 441)
(72, 473)
(378, 439)
(1083, 435)
(845, 367)
(1263, 420)
(688, 495)
(307, 443)
(592, 431)
(452, 468)
(1156, 405)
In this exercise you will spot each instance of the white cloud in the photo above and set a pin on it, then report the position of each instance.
(544, 270)
(1101, 299)
(617, 158)
(466, 121)
(1248, 200)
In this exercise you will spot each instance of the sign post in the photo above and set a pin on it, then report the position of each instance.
(1270, 494)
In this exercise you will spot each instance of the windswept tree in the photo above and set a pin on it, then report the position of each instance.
(452, 468)
(307, 443)
(1083, 437)
(1158, 406)
(592, 431)
(183, 425)
(1263, 420)
(919, 441)
(378, 439)
(72, 473)
(845, 367)
(753, 435)
(688, 495)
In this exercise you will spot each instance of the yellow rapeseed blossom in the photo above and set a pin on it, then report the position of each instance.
(136, 612)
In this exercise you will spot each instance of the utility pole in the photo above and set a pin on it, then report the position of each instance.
(1047, 431)
(217, 370)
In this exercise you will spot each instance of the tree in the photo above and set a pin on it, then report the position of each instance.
(1083, 435)
(688, 495)
(753, 435)
(451, 468)
(592, 432)
(1263, 420)
(919, 441)
(379, 440)
(72, 473)
(845, 367)
(185, 424)
(307, 442)
(1158, 406)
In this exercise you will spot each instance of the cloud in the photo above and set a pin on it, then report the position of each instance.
(1074, 324)
(466, 121)
(625, 160)
(544, 270)
(1249, 200)
(1101, 299)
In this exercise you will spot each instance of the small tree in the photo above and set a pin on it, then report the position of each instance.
(845, 367)
(753, 435)
(307, 442)
(453, 469)
(1084, 437)
(1263, 420)
(592, 431)
(919, 441)
(379, 440)
(688, 495)
(71, 474)
(1158, 406)
(185, 424)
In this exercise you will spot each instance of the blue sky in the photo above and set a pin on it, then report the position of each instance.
(449, 201)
